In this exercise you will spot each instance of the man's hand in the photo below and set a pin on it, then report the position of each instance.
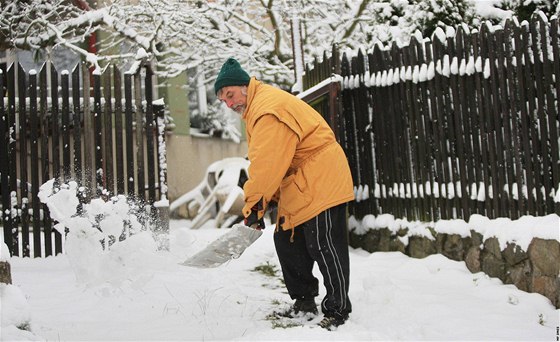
(253, 221)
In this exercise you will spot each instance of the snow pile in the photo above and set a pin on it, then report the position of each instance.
(105, 242)
(15, 314)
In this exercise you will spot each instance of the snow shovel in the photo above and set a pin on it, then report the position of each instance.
(227, 247)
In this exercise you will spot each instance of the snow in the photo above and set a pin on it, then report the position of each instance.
(486, 9)
(142, 294)
(332, 79)
(134, 291)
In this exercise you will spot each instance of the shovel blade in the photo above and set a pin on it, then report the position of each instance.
(227, 247)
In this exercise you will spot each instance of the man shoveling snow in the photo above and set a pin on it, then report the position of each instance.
(297, 163)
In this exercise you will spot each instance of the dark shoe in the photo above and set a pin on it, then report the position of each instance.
(305, 306)
(331, 323)
(301, 308)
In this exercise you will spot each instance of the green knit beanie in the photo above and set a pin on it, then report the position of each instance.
(231, 74)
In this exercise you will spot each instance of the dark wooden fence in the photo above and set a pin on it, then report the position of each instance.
(103, 131)
(454, 125)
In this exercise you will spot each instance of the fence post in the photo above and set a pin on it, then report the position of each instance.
(139, 115)
(45, 157)
(161, 206)
(34, 163)
(11, 239)
(4, 170)
(89, 132)
(5, 272)
(22, 142)
(98, 135)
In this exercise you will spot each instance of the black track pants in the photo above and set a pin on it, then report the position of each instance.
(323, 239)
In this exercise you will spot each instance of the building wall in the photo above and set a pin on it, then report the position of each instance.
(175, 96)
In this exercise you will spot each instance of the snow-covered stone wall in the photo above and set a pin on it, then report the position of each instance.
(534, 268)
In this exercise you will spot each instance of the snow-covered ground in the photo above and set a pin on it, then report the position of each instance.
(136, 293)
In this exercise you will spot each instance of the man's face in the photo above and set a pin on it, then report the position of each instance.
(235, 97)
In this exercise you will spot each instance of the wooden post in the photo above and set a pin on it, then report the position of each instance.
(161, 206)
(22, 142)
(297, 50)
(5, 273)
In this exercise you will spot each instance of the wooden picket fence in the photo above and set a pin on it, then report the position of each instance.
(103, 131)
(460, 124)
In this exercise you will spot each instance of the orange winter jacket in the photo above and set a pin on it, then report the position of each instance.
(295, 158)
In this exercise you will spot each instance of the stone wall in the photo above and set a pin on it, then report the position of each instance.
(535, 270)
